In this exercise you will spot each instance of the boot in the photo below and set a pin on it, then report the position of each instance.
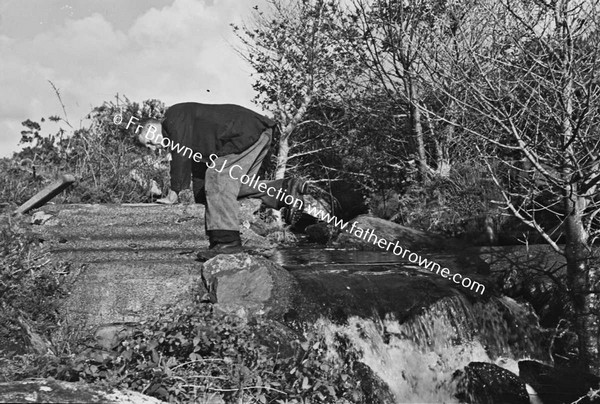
(221, 242)
(296, 188)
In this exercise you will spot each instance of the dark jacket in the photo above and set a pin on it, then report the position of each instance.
(220, 129)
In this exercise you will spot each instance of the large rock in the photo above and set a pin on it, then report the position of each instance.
(109, 336)
(392, 232)
(54, 391)
(486, 383)
(556, 386)
(374, 390)
(249, 285)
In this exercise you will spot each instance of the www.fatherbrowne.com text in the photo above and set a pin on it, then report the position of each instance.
(397, 249)
(359, 232)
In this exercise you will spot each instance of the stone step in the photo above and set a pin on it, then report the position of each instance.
(129, 260)
(113, 291)
(155, 231)
(131, 255)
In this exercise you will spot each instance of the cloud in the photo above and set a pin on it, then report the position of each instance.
(174, 53)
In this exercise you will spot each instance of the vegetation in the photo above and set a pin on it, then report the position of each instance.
(192, 354)
(102, 156)
(433, 108)
(511, 84)
(30, 290)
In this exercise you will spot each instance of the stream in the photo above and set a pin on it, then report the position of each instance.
(412, 328)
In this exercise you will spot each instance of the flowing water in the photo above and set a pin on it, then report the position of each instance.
(417, 355)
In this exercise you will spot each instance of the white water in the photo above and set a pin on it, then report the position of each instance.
(416, 359)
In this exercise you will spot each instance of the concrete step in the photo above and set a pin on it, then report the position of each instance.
(116, 291)
(154, 231)
(128, 260)
(127, 254)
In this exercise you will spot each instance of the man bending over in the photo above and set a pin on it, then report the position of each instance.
(221, 147)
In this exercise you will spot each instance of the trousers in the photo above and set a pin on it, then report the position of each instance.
(217, 183)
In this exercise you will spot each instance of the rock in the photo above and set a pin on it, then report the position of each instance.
(375, 390)
(250, 285)
(392, 232)
(121, 291)
(40, 217)
(109, 336)
(54, 391)
(485, 383)
(318, 233)
(249, 209)
(555, 386)
(256, 242)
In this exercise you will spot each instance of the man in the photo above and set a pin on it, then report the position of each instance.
(220, 147)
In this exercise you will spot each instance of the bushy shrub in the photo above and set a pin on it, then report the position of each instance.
(187, 353)
(30, 287)
(101, 156)
(447, 205)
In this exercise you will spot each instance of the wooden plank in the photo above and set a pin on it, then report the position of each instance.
(46, 194)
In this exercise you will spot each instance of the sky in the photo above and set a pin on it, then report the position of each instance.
(92, 50)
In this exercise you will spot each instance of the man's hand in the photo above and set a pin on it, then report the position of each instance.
(170, 199)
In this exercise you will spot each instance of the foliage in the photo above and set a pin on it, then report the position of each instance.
(191, 353)
(296, 53)
(102, 157)
(447, 206)
(186, 353)
(30, 286)
(528, 85)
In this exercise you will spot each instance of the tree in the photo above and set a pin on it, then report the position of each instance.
(529, 87)
(392, 38)
(294, 50)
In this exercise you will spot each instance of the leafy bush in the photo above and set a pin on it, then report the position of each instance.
(448, 205)
(30, 287)
(191, 353)
(101, 157)
(188, 353)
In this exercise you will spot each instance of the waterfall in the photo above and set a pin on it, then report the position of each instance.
(416, 358)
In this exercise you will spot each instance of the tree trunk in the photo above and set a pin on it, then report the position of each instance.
(417, 131)
(442, 159)
(282, 156)
(582, 279)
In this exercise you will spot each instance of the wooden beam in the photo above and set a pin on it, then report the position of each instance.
(46, 194)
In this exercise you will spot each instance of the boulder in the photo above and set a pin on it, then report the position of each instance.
(249, 285)
(392, 232)
(54, 391)
(555, 386)
(485, 383)
(256, 242)
(109, 336)
(40, 217)
(374, 390)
